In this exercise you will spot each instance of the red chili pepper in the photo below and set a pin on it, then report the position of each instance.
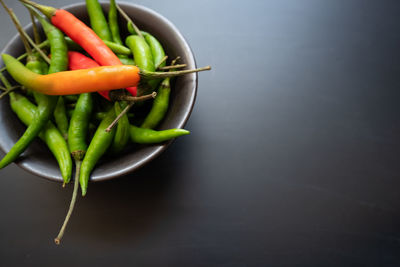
(78, 61)
(82, 35)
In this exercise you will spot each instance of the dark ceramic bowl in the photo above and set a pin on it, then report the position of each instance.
(38, 160)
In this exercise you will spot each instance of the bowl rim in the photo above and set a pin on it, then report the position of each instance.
(156, 150)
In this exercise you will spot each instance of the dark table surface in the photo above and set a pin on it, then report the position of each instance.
(293, 158)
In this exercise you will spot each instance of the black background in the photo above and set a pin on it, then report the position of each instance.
(293, 158)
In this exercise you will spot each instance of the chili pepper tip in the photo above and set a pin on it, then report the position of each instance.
(48, 11)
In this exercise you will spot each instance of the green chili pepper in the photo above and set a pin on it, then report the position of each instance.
(143, 58)
(79, 124)
(72, 45)
(34, 65)
(98, 146)
(98, 20)
(155, 46)
(61, 117)
(46, 105)
(148, 136)
(45, 66)
(113, 23)
(130, 28)
(156, 49)
(161, 102)
(77, 144)
(121, 137)
(117, 48)
(141, 52)
(114, 28)
(59, 62)
(126, 60)
(58, 45)
(26, 112)
(160, 106)
(98, 116)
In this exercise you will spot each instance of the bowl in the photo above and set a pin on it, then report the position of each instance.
(38, 160)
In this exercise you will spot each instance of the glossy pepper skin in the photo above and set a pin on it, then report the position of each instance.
(26, 111)
(114, 28)
(81, 115)
(159, 107)
(58, 45)
(98, 20)
(161, 102)
(46, 105)
(85, 37)
(82, 35)
(141, 52)
(126, 60)
(61, 118)
(156, 48)
(143, 59)
(148, 136)
(119, 49)
(84, 81)
(116, 48)
(101, 141)
(59, 62)
(113, 22)
(73, 82)
(121, 137)
(79, 125)
(78, 61)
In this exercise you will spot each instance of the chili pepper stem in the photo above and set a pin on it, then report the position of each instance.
(173, 67)
(24, 36)
(159, 75)
(7, 91)
(5, 81)
(36, 35)
(128, 107)
(57, 240)
(7, 85)
(175, 60)
(161, 62)
(116, 97)
(128, 19)
(123, 112)
(48, 11)
(18, 26)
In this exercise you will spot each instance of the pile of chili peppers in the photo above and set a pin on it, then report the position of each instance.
(58, 81)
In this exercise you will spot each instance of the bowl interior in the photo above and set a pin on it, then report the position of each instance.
(38, 160)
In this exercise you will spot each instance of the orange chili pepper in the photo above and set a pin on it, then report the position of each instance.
(82, 35)
(73, 82)
(84, 81)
